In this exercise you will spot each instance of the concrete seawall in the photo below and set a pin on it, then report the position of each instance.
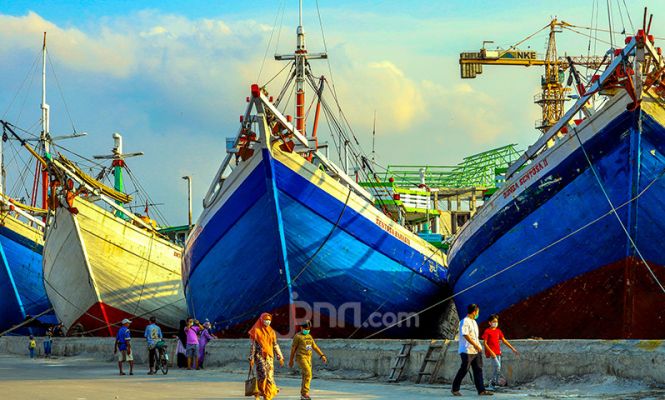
(362, 359)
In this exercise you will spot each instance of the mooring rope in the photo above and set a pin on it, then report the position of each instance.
(609, 201)
(511, 266)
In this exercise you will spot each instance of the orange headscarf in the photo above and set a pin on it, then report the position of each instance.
(263, 335)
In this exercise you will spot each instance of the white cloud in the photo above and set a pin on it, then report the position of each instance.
(174, 87)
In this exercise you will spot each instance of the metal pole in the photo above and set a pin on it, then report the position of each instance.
(189, 199)
(44, 138)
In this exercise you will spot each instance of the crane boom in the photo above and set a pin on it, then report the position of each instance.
(471, 63)
(552, 98)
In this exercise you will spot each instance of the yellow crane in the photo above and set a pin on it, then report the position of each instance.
(553, 94)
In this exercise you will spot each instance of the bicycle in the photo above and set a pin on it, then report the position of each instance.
(162, 357)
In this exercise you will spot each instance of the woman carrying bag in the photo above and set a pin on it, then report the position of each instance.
(263, 350)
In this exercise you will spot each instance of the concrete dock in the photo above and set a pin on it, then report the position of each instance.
(83, 368)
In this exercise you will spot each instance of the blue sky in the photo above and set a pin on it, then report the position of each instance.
(172, 76)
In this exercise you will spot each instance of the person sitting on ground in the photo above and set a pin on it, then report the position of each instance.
(192, 350)
(32, 344)
(124, 345)
(301, 349)
(152, 334)
(470, 353)
(492, 338)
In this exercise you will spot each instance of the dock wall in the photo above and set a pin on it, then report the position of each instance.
(365, 359)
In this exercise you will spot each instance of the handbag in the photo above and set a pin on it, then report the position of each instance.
(251, 385)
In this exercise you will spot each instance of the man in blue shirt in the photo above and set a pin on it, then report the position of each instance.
(153, 334)
(124, 345)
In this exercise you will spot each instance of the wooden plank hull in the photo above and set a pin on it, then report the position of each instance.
(99, 269)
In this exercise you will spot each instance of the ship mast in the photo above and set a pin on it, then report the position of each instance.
(300, 57)
(44, 137)
(118, 164)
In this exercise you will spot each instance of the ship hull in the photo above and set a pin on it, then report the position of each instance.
(287, 239)
(21, 284)
(100, 269)
(550, 255)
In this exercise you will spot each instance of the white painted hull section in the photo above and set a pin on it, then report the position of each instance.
(95, 257)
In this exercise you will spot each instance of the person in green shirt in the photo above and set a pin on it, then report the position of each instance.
(301, 350)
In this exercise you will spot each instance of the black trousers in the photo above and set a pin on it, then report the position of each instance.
(475, 362)
(182, 361)
(152, 358)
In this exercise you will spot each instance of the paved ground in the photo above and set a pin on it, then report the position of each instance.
(79, 378)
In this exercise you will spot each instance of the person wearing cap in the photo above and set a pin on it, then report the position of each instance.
(152, 335)
(301, 349)
(204, 337)
(124, 345)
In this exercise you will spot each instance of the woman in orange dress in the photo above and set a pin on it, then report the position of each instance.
(264, 348)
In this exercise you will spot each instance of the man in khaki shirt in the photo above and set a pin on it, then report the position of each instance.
(301, 349)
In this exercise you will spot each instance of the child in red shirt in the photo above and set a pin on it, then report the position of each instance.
(492, 338)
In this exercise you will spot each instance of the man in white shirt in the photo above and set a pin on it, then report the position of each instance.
(470, 352)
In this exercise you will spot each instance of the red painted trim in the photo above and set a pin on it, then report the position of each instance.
(100, 318)
(618, 301)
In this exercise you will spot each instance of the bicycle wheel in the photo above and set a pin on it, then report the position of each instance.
(163, 363)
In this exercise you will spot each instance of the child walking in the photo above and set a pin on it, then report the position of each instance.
(32, 344)
(492, 337)
(301, 349)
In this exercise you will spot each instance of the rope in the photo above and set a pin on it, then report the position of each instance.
(277, 74)
(307, 265)
(30, 73)
(609, 201)
(623, 24)
(410, 282)
(589, 36)
(272, 32)
(588, 224)
(13, 328)
(609, 24)
(106, 323)
(141, 190)
(62, 95)
(107, 190)
(632, 28)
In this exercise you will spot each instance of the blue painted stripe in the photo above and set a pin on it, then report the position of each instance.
(13, 293)
(270, 173)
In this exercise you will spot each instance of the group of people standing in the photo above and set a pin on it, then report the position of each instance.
(48, 341)
(193, 338)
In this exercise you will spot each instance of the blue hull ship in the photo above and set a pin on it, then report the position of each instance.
(21, 282)
(571, 246)
(284, 230)
(286, 238)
